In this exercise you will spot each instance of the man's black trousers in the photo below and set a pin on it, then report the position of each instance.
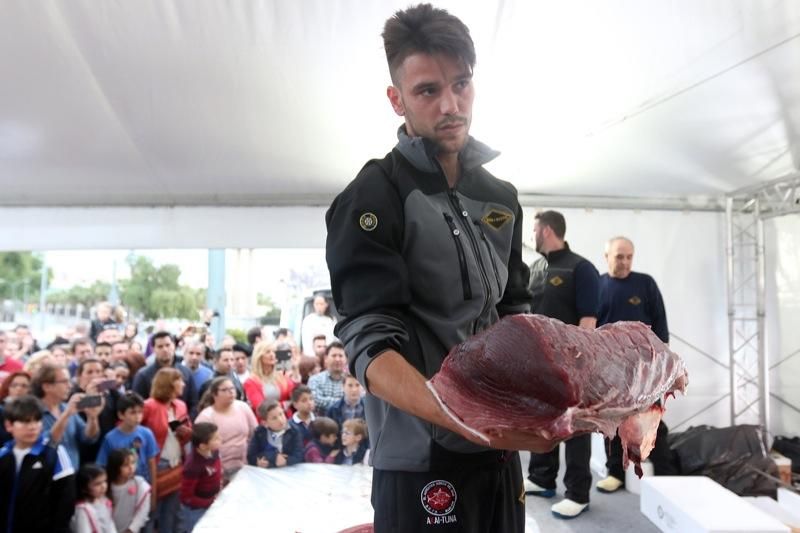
(483, 498)
(543, 468)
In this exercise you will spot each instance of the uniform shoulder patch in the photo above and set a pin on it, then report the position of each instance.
(634, 300)
(368, 221)
(496, 218)
(555, 281)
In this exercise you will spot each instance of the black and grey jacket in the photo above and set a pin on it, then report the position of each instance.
(418, 267)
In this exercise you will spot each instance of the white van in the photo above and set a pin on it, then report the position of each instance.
(294, 312)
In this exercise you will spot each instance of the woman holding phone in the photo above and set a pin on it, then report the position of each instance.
(167, 417)
(90, 380)
(266, 382)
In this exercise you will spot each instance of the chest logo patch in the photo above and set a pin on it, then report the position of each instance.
(439, 497)
(555, 281)
(368, 221)
(496, 219)
(634, 300)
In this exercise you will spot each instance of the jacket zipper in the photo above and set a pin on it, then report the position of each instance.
(491, 257)
(487, 288)
(462, 257)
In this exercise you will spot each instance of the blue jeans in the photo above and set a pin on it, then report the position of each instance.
(167, 512)
(190, 516)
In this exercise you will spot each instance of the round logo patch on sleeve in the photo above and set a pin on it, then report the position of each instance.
(368, 221)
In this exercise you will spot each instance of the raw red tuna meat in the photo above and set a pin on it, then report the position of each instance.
(535, 375)
(363, 528)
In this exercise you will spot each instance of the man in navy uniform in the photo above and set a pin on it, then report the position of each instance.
(565, 287)
(628, 295)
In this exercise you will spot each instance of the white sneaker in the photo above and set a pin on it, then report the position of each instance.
(535, 490)
(609, 484)
(567, 508)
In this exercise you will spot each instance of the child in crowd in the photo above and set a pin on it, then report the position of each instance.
(132, 435)
(355, 444)
(93, 511)
(274, 443)
(129, 493)
(122, 373)
(324, 434)
(34, 474)
(202, 474)
(351, 405)
(303, 405)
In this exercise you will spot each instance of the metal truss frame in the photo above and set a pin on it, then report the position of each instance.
(746, 210)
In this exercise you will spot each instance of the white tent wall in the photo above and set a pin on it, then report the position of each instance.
(685, 253)
(783, 319)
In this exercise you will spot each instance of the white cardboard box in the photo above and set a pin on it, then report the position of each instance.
(679, 504)
(777, 511)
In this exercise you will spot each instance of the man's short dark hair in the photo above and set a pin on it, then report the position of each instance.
(104, 344)
(429, 30)
(202, 433)
(127, 401)
(298, 391)
(253, 334)
(322, 426)
(23, 409)
(321, 336)
(218, 353)
(265, 407)
(553, 220)
(162, 334)
(334, 344)
(79, 342)
(241, 348)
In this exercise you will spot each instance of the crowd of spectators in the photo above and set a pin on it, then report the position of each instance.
(116, 430)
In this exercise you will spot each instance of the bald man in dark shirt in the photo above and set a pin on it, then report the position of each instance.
(628, 295)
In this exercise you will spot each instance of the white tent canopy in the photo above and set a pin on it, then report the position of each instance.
(159, 103)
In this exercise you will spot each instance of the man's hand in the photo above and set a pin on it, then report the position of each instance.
(334, 453)
(72, 404)
(500, 440)
(94, 412)
(183, 433)
(280, 460)
(514, 440)
(262, 462)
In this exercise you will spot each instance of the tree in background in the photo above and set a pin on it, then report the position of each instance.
(154, 292)
(272, 313)
(17, 268)
(86, 296)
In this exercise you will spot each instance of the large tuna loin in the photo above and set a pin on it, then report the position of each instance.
(529, 374)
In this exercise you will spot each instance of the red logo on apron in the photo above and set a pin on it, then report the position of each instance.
(439, 497)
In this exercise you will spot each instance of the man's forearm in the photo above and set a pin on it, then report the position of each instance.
(92, 427)
(392, 379)
(588, 322)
